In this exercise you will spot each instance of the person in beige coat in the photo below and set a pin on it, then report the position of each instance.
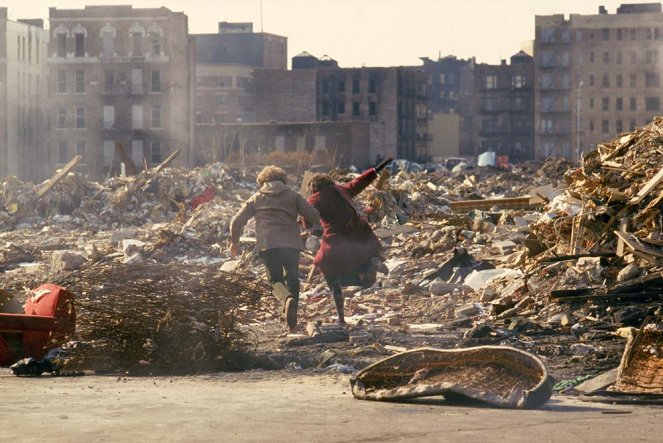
(276, 208)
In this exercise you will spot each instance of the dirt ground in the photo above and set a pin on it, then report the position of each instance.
(286, 406)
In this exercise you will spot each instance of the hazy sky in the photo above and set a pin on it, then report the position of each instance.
(369, 32)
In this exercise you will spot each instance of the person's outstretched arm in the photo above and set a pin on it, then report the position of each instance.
(360, 183)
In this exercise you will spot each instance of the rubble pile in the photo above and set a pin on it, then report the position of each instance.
(612, 202)
(155, 318)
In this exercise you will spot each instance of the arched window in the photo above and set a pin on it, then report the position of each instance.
(61, 34)
(108, 35)
(80, 34)
(136, 33)
(155, 34)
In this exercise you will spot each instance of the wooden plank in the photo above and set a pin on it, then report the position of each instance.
(634, 244)
(646, 189)
(623, 227)
(503, 203)
(58, 176)
(128, 162)
(167, 161)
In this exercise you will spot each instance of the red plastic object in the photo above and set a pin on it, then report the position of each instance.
(48, 300)
(203, 197)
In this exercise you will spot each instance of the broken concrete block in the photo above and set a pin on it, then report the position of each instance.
(439, 287)
(630, 271)
(230, 265)
(468, 311)
(66, 261)
(120, 235)
(130, 246)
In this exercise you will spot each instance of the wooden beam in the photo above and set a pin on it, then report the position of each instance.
(646, 189)
(128, 162)
(503, 203)
(167, 161)
(58, 176)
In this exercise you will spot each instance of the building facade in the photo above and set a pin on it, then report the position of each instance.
(23, 86)
(451, 103)
(504, 108)
(597, 76)
(225, 65)
(120, 75)
(393, 100)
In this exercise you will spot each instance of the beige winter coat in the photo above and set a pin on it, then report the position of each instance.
(275, 207)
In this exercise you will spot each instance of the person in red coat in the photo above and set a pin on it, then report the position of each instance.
(349, 250)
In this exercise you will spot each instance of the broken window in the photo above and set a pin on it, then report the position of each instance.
(109, 152)
(355, 108)
(619, 34)
(137, 151)
(341, 85)
(79, 44)
(652, 104)
(325, 108)
(62, 117)
(136, 81)
(372, 108)
(80, 82)
(371, 86)
(619, 104)
(62, 44)
(62, 82)
(341, 107)
(109, 116)
(136, 116)
(155, 81)
(156, 152)
(606, 33)
(107, 42)
(156, 116)
(137, 46)
(619, 126)
(80, 117)
(518, 81)
(605, 126)
(355, 86)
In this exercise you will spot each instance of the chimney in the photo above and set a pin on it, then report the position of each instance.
(602, 10)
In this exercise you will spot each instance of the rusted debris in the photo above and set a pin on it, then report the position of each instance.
(498, 375)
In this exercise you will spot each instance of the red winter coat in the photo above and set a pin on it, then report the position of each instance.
(348, 242)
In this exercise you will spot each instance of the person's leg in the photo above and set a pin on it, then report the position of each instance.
(290, 260)
(337, 294)
(272, 260)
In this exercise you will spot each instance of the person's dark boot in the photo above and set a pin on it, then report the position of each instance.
(338, 301)
(289, 304)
